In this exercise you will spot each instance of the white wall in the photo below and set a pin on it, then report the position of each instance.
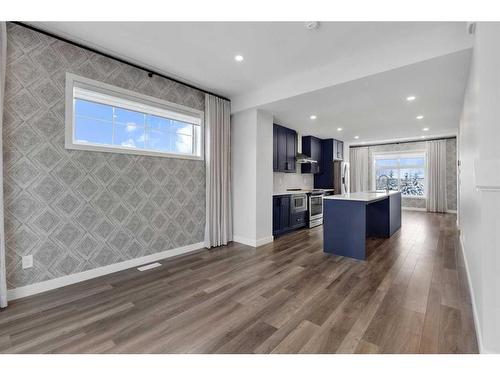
(252, 176)
(479, 209)
(244, 173)
(264, 203)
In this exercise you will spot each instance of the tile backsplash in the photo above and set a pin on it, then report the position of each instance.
(283, 181)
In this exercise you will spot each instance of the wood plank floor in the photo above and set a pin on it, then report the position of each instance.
(410, 296)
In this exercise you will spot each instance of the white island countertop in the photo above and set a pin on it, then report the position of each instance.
(363, 196)
(301, 191)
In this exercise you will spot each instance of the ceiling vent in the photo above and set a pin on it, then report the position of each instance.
(311, 25)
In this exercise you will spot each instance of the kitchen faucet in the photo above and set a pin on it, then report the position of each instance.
(386, 182)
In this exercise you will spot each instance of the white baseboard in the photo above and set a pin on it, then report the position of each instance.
(425, 209)
(413, 209)
(475, 315)
(252, 242)
(59, 282)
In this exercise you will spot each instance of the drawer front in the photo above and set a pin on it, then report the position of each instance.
(298, 219)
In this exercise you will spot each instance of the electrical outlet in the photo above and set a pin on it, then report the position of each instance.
(27, 261)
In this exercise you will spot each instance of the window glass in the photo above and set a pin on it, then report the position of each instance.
(129, 135)
(403, 173)
(100, 124)
(111, 119)
(85, 108)
(88, 130)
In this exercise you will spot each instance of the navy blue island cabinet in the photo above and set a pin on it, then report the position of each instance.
(349, 219)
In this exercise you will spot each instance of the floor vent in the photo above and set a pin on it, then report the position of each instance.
(148, 266)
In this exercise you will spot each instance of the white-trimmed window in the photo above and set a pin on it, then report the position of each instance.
(405, 172)
(102, 117)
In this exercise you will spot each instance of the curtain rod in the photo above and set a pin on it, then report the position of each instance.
(149, 71)
(397, 143)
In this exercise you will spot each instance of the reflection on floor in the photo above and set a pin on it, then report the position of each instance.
(410, 296)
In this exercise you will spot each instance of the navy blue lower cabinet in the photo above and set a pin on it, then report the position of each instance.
(298, 220)
(281, 214)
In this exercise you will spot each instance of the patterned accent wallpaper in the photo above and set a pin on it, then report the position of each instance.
(79, 210)
(451, 164)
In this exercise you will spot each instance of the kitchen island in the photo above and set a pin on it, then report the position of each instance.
(348, 219)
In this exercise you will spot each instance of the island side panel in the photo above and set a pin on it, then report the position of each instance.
(344, 228)
(377, 219)
(395, 213)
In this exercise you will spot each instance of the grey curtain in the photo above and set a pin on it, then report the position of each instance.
(3, 63)
(436, 176)
(358, 160)
(219, 221)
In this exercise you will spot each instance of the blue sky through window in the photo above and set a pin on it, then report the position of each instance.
(101, 124)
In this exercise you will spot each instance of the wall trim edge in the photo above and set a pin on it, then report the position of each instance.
(424, 209)
(252, 242)
(44, 286)
(477, 324)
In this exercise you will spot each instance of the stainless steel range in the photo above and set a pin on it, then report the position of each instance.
(315, 208)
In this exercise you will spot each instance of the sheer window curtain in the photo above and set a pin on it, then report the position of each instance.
(219, 221)
(436, 176)
(358, 160)
(3, 63)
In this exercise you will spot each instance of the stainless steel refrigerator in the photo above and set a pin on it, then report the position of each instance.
(341, 177)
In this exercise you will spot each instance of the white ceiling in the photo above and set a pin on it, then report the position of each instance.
(203, 53)
(351, 74)
(375, 108)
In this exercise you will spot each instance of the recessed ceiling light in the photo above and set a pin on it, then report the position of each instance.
(339, 129)
(313, 117)
(238, 58)
(425, 129)
(422, 136)
(411, 98)
(420, 117)
(356, 137)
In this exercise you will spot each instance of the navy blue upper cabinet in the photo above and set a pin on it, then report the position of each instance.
(291, 150)
(331, 150)
(311, 146)
(275, 147)
(284, 149)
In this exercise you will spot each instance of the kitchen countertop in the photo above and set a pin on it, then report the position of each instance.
(302, 191)
(363, 196)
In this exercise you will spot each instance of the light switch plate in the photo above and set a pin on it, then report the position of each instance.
(27, 261)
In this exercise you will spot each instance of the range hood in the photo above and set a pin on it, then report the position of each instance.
(304, 159)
